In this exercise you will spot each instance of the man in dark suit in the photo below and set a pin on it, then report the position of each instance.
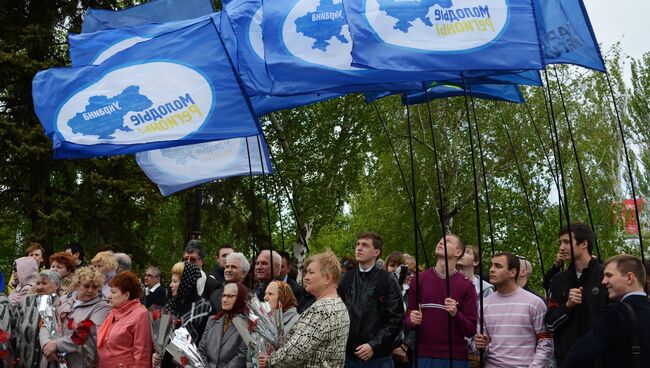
(154, 293)
(195, 253)
(613, 335)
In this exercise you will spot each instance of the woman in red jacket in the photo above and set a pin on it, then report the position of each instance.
(124, 340)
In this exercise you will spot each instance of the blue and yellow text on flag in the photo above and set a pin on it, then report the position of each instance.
(177, 88)
(457, 35)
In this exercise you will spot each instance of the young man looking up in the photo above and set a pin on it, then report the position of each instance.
(576, 294)
(430, 314)
(514, 334)
(612, 336)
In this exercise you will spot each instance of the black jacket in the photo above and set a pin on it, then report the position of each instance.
(611, 336)
(567, 325)
(375, 315)
(210, 286)
(217, 274)
(158, 297)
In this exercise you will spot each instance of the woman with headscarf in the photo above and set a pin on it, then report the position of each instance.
(85, 303)
(185, 304)
(124, 340)
(27, 320)
(25, 269)
(222, 346)
(279, 295)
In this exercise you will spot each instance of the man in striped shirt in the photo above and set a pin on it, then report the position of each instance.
(514, 334)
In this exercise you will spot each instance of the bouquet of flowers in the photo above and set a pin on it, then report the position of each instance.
(267, 324)
(51, 322)
(84, 335)
(183, 350)
(162, 326)
(6, 353)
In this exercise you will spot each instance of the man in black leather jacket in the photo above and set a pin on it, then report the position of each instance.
(577, 294)
(374, 303)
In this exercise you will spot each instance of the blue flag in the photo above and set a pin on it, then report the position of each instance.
(177, 168)
(566, 34)
(307, 47)
(177, 88)
(497, 92)
(94, 48)
(158, 11)
(461, 35)
(241, 30)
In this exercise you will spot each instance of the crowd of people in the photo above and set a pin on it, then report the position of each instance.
(361, 312)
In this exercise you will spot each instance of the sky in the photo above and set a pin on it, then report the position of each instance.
(621, 20)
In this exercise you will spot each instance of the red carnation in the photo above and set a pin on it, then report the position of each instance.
(3, 353)
(155, 315)
(71, 324)
(80, 335)
(87, 324)
(4, 336)
(184, 361)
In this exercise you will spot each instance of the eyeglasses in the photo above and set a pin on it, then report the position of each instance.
(228, 296)
(150, 275)
(191, 259)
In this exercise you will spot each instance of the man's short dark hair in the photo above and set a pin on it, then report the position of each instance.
(377, 241)
(285, 255)
(75, 247)
(581, 232)
(195, 246)
(626, 263)
(513, 262)
(224, 246)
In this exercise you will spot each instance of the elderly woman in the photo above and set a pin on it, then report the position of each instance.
(186, 304)
(25, 269)
(319, 336)
(64, 264)
(105, 263)
(279, 295)
(85, 303)
(222, 346)
(26, 318)
(124, 340)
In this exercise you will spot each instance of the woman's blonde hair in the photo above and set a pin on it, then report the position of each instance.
(107, 258)
(177, 269)
(90, 274)
(329, 265)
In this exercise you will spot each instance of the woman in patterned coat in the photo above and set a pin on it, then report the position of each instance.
(319, 336)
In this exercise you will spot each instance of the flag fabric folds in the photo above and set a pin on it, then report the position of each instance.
(94, 48)
(566, 34)
(454, 35)
(177, 88)
(497, 92)
(158, 11)
(241, 30)
(177, 168)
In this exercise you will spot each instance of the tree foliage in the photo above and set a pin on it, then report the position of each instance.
(336, 160)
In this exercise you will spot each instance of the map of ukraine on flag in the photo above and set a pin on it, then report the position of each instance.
(426, 35)
(176, 89)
